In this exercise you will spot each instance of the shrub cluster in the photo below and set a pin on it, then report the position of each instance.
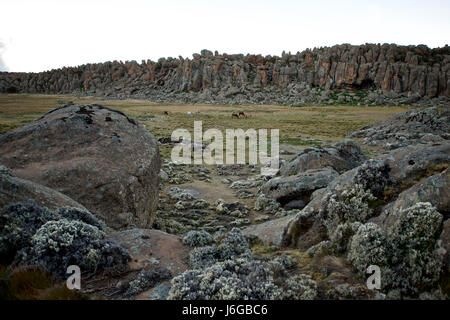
(52, 240)
(229, 271)
(408, 254)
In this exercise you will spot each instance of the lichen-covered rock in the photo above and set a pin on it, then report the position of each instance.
(342, 156)
(95, 155)
(349, 198)
(299, 186)
(408, 128)
(58, 244)
(271, 232)
(375, 215)
(414, 161)
(434, 189)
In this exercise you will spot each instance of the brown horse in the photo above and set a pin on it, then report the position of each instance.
(234, 115)
(244, 115)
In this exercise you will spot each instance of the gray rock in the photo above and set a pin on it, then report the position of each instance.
(408, 128)
(95, 155)
(271, 232)
(341, 157)
(299, 186)
(15, 190)
(295, 204)
(355, 192)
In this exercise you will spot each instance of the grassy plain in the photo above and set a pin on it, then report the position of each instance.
(298, 126)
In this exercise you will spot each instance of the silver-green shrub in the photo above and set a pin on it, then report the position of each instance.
(58, 244)
(300, 287)
(197, 238)
(368, 247)
(416, 257)
(408, 253)
(232, 246)
(238, 279)
(147, 279)
(18, 223)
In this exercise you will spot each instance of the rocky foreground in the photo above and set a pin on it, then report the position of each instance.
(310, 232)
(343, 74)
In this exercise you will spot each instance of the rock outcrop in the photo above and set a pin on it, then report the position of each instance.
(391, 212)
(384, 178)
(309, 170)
(16, 190)
(97, 156)
(404, 74)
(411, 127)
(299, 186)
(342, 156)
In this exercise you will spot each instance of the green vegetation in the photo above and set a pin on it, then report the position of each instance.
(300, 142)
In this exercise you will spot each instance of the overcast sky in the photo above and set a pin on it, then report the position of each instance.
(42, 35)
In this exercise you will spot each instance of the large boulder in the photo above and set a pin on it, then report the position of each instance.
(95, 155)
(270, 232)
(16, 190)
(299, 186)
(417, 161)
(342, 156)
(434, 189)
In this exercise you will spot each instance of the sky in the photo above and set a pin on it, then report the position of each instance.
(47, 34)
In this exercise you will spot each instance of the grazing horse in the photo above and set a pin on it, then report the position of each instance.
(166, 113)
(242, 114)
(235, 115)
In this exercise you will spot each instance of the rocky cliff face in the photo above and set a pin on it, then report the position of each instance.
(409, 72)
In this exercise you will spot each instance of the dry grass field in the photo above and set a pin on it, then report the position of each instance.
(330, 123)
